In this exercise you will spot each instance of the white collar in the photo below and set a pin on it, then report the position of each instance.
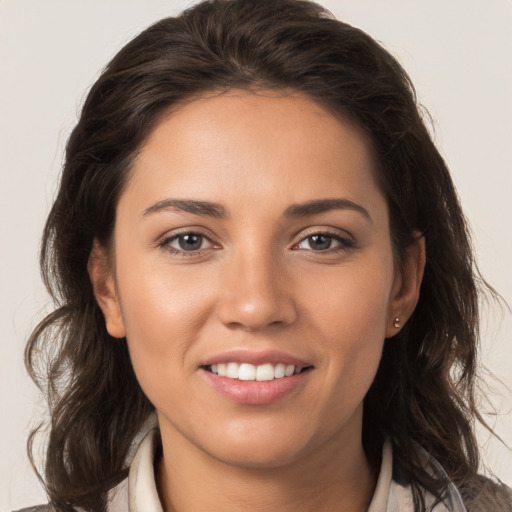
(381, 493)
(138, 493)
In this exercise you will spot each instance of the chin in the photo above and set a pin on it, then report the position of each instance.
(260, 449)
(257, 456)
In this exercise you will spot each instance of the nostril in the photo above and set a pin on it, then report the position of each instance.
(253, 315)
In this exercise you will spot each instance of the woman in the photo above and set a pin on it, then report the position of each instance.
(257, 250)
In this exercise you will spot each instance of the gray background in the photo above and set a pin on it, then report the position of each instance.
(458, 53)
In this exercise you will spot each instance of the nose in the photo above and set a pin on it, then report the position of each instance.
(256, 294)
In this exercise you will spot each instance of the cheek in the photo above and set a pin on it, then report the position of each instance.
(352, 302)
(156, 296)
(163, 310)
(350, 318)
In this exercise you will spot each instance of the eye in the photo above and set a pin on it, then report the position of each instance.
(187, 243)
(317, 242)
(323, 242)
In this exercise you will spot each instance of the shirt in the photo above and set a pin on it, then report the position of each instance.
(138, 493)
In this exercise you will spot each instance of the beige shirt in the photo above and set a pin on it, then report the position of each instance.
(138, 492)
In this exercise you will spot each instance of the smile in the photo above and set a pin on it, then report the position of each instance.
(255, 377)
(248, 371)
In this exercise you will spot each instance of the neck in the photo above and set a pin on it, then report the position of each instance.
(333, 477)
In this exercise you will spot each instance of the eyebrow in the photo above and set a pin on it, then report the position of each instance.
(218, 211)
(324, 205)
(190, 206)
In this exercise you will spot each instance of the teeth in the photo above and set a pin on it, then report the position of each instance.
(246, 371)
(279, 371)
(232, 370)
(265, 372)
(289, 370)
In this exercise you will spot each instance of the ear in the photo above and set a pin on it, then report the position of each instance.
(406, 287)
(103, 283)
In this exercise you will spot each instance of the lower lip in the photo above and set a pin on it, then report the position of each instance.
(250, 392)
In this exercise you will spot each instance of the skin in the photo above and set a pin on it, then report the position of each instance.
(257, 283)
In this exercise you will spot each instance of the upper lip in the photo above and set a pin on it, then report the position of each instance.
(244, 355)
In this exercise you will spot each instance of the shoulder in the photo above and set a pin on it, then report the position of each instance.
(485, 494)
(38, 508)
(41, 508)
(475, 494)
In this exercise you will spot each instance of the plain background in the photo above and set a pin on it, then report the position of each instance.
(458, 53)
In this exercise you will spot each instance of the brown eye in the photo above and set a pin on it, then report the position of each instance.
(190, 242)
(187, 243)
(319, 242)
(324, 242)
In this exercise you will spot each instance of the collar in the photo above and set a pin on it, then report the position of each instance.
(138, 493)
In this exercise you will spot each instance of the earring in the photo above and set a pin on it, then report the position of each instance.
(396, 323)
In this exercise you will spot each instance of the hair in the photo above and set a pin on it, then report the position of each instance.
(424, 390)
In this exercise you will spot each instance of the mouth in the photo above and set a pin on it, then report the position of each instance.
(251, 372)
(256, 378)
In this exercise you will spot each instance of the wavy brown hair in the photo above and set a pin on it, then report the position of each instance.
(423, 393)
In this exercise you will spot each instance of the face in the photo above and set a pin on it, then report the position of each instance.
(253, 277)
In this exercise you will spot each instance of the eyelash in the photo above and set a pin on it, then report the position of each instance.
(166, 243)
(345, 243)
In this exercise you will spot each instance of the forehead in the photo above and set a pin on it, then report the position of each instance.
(256, 146)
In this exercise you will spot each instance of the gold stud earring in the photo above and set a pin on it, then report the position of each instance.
(396, 323)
